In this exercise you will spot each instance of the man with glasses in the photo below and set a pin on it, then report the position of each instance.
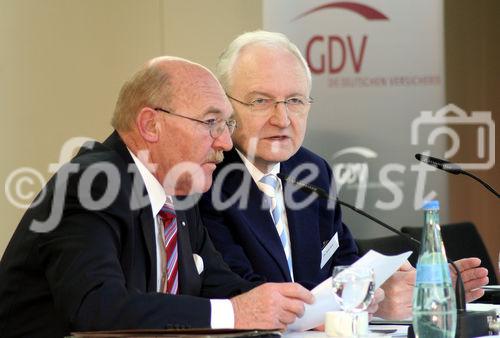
(265, 228)
(116, 242)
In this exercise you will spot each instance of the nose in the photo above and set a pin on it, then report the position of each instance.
(223, 141)
(280, 116)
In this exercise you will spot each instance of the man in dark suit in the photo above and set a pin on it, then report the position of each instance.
(115, 241)
(248, 240)
(285, 239)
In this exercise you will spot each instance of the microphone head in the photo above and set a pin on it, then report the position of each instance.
(452, 168)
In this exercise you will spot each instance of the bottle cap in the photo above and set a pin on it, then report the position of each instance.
(431, 205)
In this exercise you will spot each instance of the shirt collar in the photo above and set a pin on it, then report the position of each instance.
(254, 171)
(156, 193)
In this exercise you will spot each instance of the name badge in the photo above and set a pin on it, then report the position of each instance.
(329, 250)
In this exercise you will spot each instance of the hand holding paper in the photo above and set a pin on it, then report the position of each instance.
(314, 314)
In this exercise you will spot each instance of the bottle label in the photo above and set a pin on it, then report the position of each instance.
(430, 273)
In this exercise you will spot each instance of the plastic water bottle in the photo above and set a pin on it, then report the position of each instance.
(434, 304)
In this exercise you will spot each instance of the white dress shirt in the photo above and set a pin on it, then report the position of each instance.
(222, 313)
(257, 176)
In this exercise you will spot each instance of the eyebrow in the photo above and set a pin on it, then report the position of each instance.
(255, 93)
(214, 111)
(258, 93)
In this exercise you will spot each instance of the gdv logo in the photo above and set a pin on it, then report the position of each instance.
(336, 51)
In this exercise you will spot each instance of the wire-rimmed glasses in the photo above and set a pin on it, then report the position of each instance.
(216, 126)
(262, 105)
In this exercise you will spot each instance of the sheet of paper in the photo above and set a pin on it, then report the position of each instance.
(314, 315)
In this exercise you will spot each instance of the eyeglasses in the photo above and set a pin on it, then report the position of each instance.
(296, 105)
(215, 126)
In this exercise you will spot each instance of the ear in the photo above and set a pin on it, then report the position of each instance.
(148, 124)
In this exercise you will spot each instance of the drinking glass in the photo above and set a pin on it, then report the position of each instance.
(354, 289)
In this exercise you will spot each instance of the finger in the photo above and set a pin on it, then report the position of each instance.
(474, 294)
(294, 306)
(406, 267)
(472, 274)
(287, 317)
(278, 325)
(379, 296)
(275, 320)
(320, 328)
(372, 308)
(294, 290)
(476, 283)
(468, 263)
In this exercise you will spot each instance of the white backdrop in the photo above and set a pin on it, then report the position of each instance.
(376, 65)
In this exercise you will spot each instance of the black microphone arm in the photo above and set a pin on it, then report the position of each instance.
(376, 220)
(452, 168)
(460, 289)
(323, 194)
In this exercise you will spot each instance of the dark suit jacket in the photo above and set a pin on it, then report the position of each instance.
(246, 236)
(97, 269)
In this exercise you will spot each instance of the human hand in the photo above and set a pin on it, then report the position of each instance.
(377, 298)
(473, 277)
(397, 304)
(270, 306)
(320, 328)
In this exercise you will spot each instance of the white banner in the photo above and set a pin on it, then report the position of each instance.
(376, 65)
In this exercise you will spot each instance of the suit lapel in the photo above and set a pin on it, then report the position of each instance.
(303, 227)
(257, 217)
(189, 280)
(138, 193)
(147, 226)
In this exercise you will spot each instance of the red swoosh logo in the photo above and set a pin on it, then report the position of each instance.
(367, 12)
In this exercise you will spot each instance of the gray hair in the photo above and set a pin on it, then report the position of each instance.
(227, 59)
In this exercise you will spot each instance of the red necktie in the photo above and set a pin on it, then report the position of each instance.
(169, 219)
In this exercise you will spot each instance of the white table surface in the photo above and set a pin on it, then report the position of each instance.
(401, 332)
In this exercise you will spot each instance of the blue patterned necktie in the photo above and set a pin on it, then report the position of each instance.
(271, 187)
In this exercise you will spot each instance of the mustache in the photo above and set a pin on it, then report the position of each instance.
(217, 157)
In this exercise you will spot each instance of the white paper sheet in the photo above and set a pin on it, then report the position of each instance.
(314, 315)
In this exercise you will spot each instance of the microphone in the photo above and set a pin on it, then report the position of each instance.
(452, 168)
(459, 288)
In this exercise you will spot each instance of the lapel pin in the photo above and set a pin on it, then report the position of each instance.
(183, 223)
